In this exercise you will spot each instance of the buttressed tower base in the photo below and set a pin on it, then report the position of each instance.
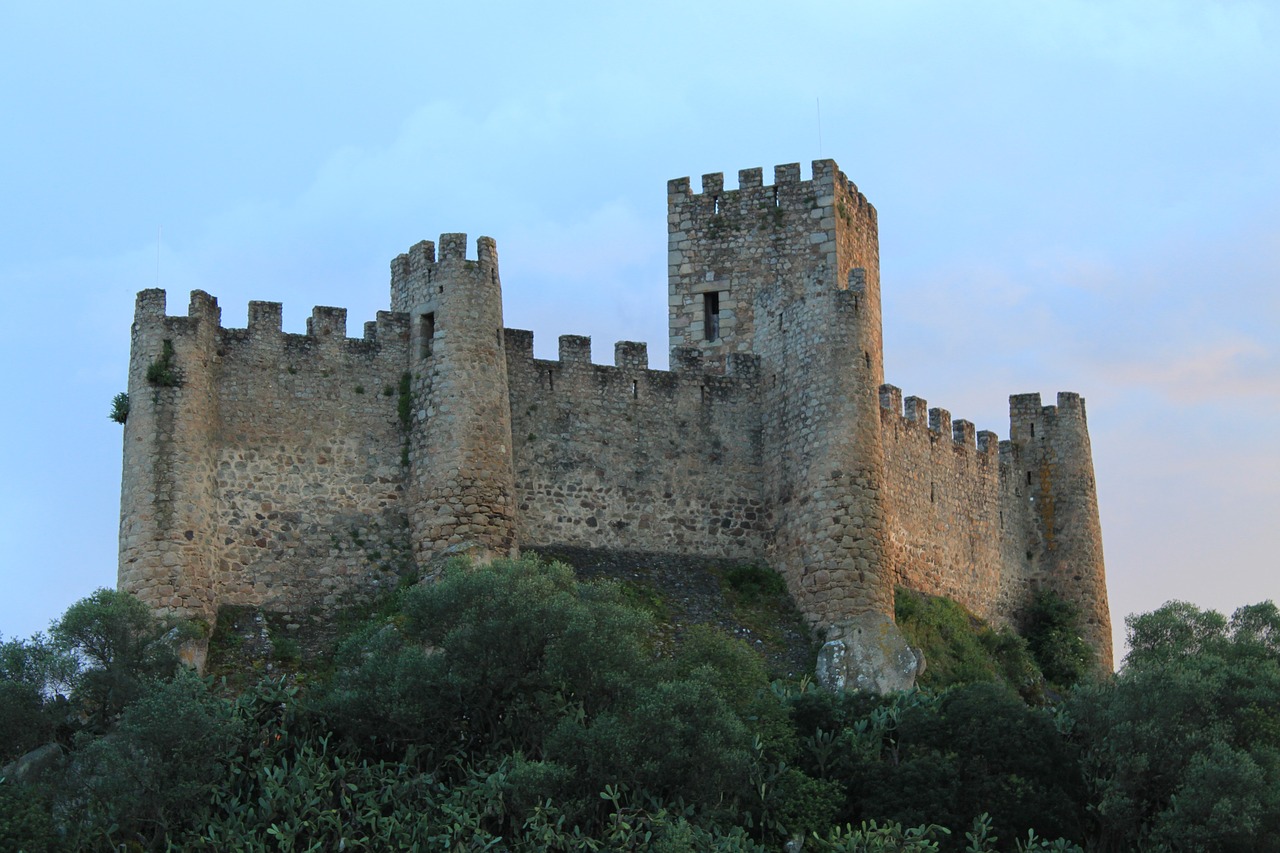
(291, 471)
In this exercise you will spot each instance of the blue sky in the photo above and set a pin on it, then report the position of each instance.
(1072, 196)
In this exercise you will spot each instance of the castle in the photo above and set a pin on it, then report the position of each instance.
(292, 471)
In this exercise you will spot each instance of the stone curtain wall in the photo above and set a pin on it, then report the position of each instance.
(626, 457)
(283, 487)
(311, 501)
(944, 515)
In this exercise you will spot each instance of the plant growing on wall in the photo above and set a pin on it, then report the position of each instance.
(161, 372)
(119, 408)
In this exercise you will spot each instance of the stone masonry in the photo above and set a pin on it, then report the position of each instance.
(298, 471)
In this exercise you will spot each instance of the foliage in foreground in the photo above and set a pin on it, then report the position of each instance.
(512, 707)
(1182, 749)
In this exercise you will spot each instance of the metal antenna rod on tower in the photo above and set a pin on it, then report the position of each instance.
(819, 103)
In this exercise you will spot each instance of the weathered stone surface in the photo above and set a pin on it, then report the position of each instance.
(297, 471)
(34, 764)
(868, 653)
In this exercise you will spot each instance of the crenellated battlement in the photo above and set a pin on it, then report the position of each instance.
(1027, 415)
(787, 193)
(326, 324)
(575, 351)
(288, 471)
(914, 413)
(422, 276)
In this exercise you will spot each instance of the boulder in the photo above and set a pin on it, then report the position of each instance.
(869, 653)
(34, 764)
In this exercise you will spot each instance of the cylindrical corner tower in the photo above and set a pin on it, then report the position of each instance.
(455, 401)
(168, 491)
(1053, 462)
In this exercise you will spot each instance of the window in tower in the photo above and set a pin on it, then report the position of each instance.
(426, 332)
(711, 316)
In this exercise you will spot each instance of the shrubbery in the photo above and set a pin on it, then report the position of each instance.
(1182, 749)
(512, 707)
(961, 649)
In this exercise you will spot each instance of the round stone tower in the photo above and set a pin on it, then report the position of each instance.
(1054, 461)
(455, 406)
(168, 492)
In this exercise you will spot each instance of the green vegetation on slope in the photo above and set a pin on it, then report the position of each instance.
(959, 648)
(514, 706)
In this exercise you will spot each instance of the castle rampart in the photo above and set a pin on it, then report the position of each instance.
(630, 458)
(283, 487)
(287, 471)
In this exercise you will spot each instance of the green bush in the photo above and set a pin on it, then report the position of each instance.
(1182, 748)
(959, 648)
(753, 583)
(916, 758)
(23, 722)
(25, 821)
(157, 770)
(119, 408)
(162, 372)
(517, 659)
(487, 659)
(34, 675)
(120, 644)
(1053, 632)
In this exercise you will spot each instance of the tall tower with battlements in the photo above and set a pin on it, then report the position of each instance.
(791, 272)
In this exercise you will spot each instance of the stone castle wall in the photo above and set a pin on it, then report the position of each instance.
(943, 495)
(625, 457)
(292, 471)
(296, 448)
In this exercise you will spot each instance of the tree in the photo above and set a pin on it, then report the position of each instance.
(119, 644)
(517, 661)
(1053, 632)
(1183, 748)
(488, 658)
(34, 675)
(157, 769)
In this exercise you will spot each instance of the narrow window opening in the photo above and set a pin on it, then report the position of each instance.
(1033, 430)
(776, 203)
(779, 322)
(635, 389)
(440, 289)
(427, 332)
(702, 392)
(775, 380)
(866, 357)
(715, 205)
(499, 339)
(1028, 478)
(493, 276)
(1002, 519)
(551, 381)
(711, 316)
(431, 274)
(931, 493)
